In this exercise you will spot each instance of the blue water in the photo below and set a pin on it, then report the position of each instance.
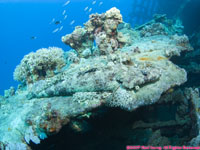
(19, 21)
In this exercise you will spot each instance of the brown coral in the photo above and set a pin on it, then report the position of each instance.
(101, 28)
(79, 39)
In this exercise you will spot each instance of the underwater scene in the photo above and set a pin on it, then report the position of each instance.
(99, 74)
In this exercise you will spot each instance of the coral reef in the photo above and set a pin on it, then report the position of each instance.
(39, 65)
(101, 29)
(121, 83)
(153, 29)
(191, 60)
(79, 40)
(9, 92)
(160, 25)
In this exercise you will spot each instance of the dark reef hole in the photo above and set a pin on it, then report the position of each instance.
(182, 61)
(112, 128)
(193, 80)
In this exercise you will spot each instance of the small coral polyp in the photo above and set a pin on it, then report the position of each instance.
(101, 28)
(39, 65)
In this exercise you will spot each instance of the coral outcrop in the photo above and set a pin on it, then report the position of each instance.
(125, 74)
(160, 25)
(79, 40)
(100, 29)
(40, 65)
(128, 74)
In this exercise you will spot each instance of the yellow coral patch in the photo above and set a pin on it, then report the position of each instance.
(198, 110)
(146, 59)
(52, 129)
(151, 59)
(171, 90)
(161, 58)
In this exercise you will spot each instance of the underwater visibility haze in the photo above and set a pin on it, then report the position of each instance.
(99, 75)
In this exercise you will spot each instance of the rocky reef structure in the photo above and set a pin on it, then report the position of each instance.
(40, 65)
(190, 61)
(160, 25)
(101, 29)
(123, 82)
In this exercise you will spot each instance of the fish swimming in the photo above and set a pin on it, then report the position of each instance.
(72, 22)
(100, 3)
(65, 17)
(60, 28)
(64, 11)
(66, 3)
(56, 30)
(94, 2)
(58, 22)
(33, 37)
(86, 8)
(90, 10)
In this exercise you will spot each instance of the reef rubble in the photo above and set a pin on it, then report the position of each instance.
(110, 67)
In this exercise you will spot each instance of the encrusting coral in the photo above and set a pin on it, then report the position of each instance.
(40, 65)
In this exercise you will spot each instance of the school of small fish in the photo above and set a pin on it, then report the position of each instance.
(72, 22)
(94, 2)
(65, 17)
(87, 9)
(61, 28)
(66, 3)
(64, 12)
(56, 30)
(90, 10)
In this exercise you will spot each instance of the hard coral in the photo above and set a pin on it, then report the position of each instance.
(78, 40)
(40, 65)
(160, 25)
(10, 92)
(101, 28)
(153, 29)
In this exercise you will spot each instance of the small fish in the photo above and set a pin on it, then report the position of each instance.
(33, 37)
(101, 3)
(52, 21)
(56, 30)
(66, 3)
(58, 22)
(86, 8)
(90, 10)
(72, 22)
(94, 2)
(65, 17)
(61, 28)
(64, 11)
